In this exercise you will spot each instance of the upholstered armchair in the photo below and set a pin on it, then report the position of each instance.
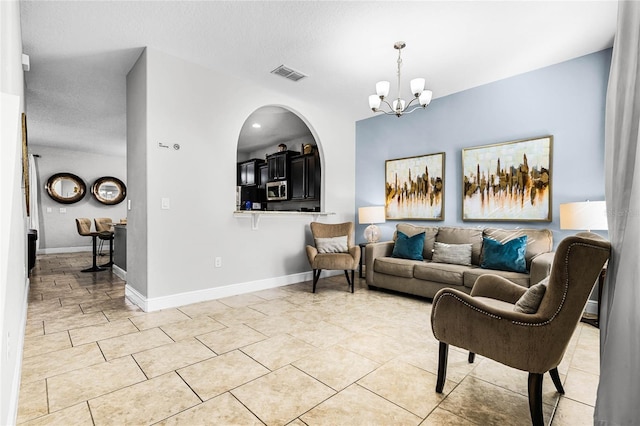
(486, 322)
(334, 249)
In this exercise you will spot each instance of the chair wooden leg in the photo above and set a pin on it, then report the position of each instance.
(350, 280)
(353, 283)
(316, 276)
(472, 357)
(556, 380)
(443, 354)
(346, 274)
(535, 399)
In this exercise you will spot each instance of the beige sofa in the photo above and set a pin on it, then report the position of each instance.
(425, 278)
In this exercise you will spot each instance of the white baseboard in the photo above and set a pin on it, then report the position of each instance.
(58, 250)
(12, 414)
(181, 299)
(119, 272)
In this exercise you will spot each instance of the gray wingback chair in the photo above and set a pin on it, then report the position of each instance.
(485, 322)
(347, 260)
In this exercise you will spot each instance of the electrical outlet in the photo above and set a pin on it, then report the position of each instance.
(218, 262)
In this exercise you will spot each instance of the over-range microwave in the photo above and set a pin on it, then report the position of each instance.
(277, 191)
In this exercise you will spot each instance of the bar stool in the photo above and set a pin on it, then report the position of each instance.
(84, 228)
(104, 227)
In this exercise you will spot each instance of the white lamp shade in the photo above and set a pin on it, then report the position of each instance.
(417, 86)
(374, 102)
(373, 214)
(587, 215)
(382, 88)
(398, 102)
(425, 97)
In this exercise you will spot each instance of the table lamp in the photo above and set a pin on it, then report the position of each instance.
(371, 215)
(584, 216)
(587, 215)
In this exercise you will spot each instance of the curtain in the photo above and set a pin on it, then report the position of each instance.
(34, 208)
(617, 400)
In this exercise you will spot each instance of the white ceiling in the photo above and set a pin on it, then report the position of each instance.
(81, 51)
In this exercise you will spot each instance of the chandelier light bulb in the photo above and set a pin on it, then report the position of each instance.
(382, 89)
(398, 102)
(399, 107)
(425, 98)
(374, 102)
(417, 86)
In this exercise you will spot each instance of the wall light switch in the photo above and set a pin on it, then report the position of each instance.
(63, 210)
(166, 205)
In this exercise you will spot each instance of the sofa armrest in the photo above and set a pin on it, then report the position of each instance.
(541, 267)
(372, 251)
(497, 287)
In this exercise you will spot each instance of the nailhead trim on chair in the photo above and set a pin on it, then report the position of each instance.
(435, 308)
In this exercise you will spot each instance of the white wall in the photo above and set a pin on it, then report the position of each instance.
(137, 173)
(14, 283)
(58, 230)
(204, 111)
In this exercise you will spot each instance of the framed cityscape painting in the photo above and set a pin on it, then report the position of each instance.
(508, 181)
(414, 187)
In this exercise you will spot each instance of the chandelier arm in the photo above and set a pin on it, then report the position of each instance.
(413, 109)
(388, 104)
(409, 104)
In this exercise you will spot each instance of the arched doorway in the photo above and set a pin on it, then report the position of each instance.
(278, 163)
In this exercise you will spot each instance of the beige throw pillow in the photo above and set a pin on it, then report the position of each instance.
(332, 245)
(529, 302)
(458, 254)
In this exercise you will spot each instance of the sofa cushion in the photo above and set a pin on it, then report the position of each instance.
(445, 273)
(471, 275)
(407, 247)
(453, 235)
(538, 240)
(457, 254)
(410, 230)
(395, 266)
(507, 256)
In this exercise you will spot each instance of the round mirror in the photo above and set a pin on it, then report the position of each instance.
(109, 190)
(66, 188)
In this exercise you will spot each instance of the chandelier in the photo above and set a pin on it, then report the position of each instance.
(399, 106)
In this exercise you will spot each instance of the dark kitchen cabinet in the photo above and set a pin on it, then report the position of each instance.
(278, 165)
(248, 172)
(264, 175)
(305, 177)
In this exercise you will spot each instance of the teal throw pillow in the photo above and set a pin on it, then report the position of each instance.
(505, 257)
(408, 247)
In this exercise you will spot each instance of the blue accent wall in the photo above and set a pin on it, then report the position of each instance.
(566, 100)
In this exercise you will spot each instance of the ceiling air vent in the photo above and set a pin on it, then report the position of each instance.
(288, 73)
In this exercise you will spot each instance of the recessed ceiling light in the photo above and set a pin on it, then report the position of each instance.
(256, 125)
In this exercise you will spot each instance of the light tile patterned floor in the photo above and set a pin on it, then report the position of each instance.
(274, 357)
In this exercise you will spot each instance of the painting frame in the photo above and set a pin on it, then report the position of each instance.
(423, 198)
(520, 190)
